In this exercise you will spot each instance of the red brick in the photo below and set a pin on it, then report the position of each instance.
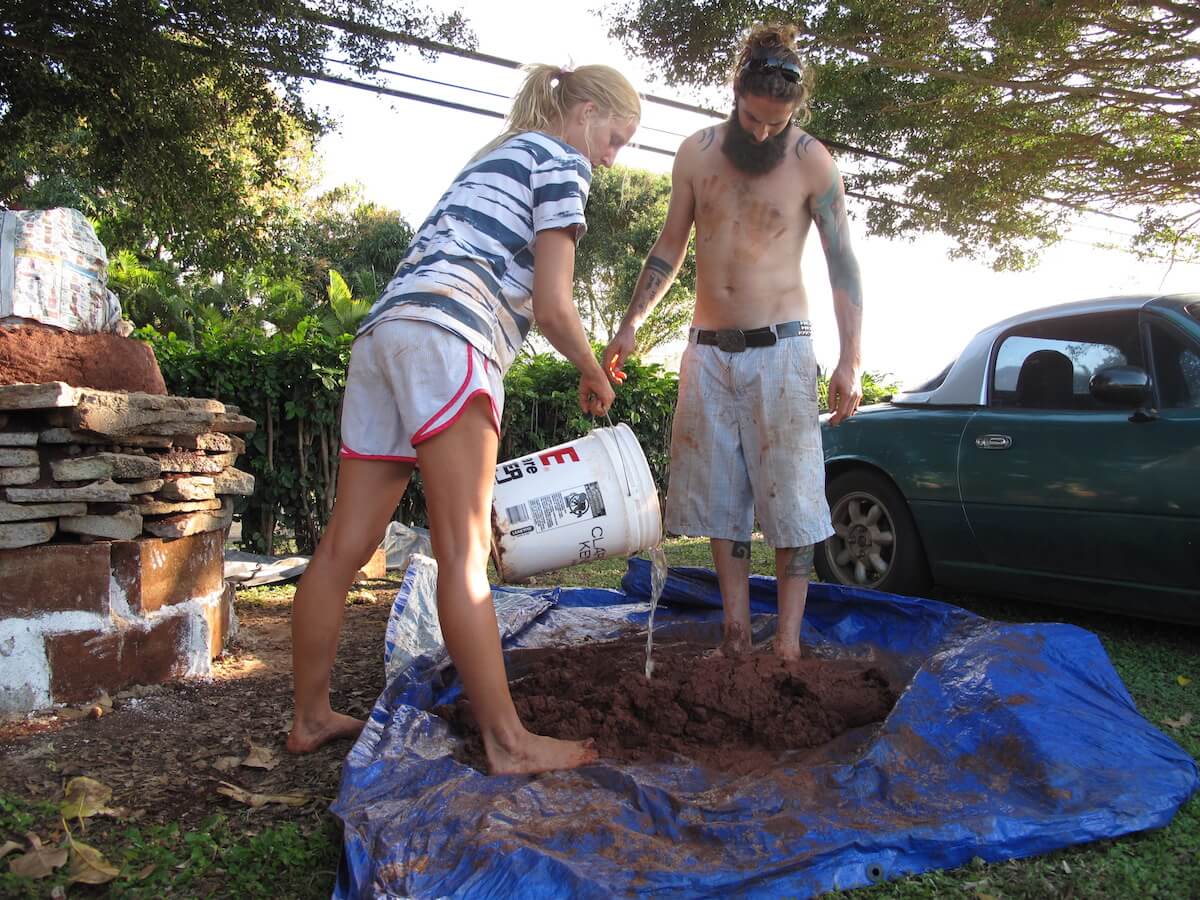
(125, 565)
(220, 617)
(155, 572)
(54, 578)
(83, 663)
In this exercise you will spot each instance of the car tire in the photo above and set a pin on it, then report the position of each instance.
(877, 545)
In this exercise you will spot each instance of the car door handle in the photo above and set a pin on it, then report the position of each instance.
(993, 442)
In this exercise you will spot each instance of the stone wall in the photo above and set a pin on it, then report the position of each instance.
(113, 513)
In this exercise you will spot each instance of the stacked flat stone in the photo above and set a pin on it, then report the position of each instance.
(82, 465)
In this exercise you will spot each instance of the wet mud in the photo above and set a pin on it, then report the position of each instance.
(732, 713)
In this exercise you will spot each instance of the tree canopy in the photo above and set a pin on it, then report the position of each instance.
(625, 212)
(179, 125)
(995, 123)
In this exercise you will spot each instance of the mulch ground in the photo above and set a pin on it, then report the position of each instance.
(164, 750)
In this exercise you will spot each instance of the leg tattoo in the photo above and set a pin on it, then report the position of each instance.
(741, 550)
(800, 564)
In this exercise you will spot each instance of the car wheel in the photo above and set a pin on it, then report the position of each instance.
(875, 544)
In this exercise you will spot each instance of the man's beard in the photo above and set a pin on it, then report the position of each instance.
(746, 154)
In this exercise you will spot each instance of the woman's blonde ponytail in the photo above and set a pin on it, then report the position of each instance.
(549, 92)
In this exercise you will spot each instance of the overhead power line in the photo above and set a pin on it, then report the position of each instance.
(407, 95)
(401, 37)
(352, 27)
(463, 107)
(462, 87)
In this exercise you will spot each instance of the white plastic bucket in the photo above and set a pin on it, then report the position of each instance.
(581, 501)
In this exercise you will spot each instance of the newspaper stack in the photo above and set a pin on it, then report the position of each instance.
(54, 270)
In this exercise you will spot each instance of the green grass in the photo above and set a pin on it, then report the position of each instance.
(222, 858)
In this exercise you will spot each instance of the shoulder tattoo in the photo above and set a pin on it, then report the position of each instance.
(802, 143)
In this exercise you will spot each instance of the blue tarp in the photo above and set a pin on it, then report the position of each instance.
(1008, 740)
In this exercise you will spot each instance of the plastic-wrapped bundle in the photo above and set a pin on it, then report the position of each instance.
(54, 270)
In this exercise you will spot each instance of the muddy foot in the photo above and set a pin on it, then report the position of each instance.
(305, 737)
(536, 753)
(788, 653)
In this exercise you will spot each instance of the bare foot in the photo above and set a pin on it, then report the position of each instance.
(788, 653)
(735, 642)
(534, 753)
(305, 737)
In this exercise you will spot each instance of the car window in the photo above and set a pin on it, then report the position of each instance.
(1050, 364)
(1176, 368)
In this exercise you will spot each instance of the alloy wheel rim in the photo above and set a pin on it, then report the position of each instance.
(863, 546)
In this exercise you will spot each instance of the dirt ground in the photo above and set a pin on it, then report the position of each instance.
(735, 713)
(165, 750)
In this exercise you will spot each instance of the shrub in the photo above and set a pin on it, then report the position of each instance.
(291, 384)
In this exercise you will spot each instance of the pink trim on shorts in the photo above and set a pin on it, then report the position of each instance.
(347, 453)
(458, 415)
(422, 434)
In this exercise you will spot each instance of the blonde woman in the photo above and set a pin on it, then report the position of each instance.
(425, 388)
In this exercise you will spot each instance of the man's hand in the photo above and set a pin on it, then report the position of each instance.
(595, 393)
(616, 353)
(845, 392)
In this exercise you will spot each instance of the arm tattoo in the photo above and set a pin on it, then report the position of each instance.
(655, 273)
(741, 550)
(658, 264)
(800, 564)
(802, 144)
(706, 138)
(829, 213)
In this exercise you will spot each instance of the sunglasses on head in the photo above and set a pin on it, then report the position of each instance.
(767, 61)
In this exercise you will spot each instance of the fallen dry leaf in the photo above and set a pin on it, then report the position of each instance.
(260, 757)
(84, 797)
(8, 847)
(88, 865)
(146, 872)
(227, 763)
(253, 800)
(1183, 680)
(39, 862)
(1182, 722)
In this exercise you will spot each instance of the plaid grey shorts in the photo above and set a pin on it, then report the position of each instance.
(746, 443)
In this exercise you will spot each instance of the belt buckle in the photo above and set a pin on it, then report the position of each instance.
(731, 340)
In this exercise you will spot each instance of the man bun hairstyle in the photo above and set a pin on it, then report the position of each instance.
(769, 65)
(549, 92)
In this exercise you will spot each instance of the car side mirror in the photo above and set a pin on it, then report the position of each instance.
(1127, 386)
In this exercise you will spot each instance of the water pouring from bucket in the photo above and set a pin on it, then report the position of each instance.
(585, 500)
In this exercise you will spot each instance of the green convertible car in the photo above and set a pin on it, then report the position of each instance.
(1057, 458)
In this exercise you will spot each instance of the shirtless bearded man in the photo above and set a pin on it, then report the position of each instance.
(746, 442)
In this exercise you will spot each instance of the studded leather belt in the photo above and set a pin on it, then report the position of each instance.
(733, 340)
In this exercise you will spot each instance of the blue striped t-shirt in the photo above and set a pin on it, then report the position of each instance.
(470, 265)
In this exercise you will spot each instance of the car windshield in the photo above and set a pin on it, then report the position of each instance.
(934, 383)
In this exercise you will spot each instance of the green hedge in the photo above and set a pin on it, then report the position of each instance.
(291, 384)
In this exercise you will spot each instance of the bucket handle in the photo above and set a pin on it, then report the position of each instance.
(621, 453)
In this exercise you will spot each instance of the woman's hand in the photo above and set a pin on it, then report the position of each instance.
(595, 393)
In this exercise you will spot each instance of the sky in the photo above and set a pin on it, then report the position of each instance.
(920, 306)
